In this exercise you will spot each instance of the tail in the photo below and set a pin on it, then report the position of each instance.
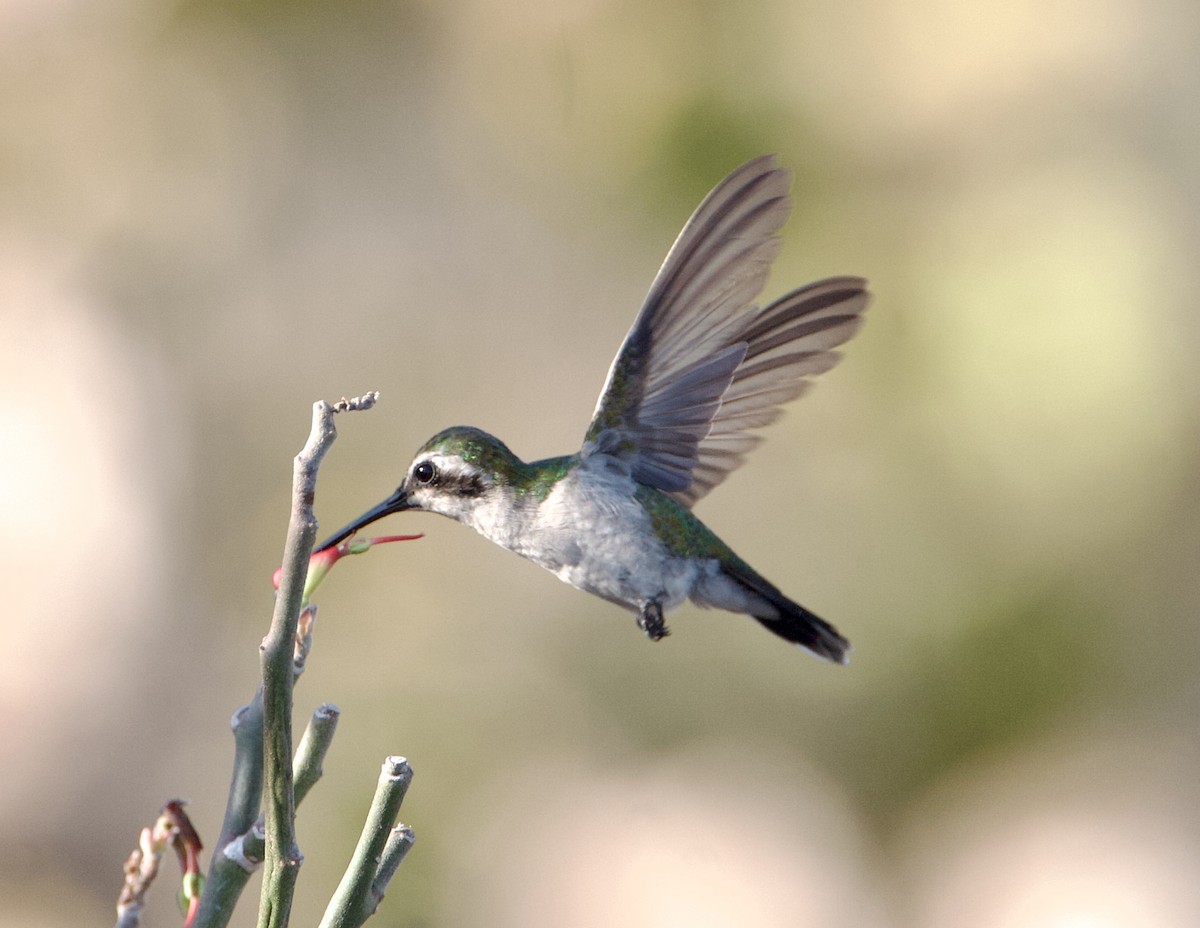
(798, 625)
(787, 619)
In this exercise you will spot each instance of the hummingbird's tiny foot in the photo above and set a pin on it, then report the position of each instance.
(650, 620)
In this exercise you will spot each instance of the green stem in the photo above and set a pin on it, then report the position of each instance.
(237, 860)
(353, 902)
(283, 858)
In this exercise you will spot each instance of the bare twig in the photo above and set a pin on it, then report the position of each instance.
(357, 403)
(238, 858)
(278, 650)
(314, 745)
(399, 841)
(226, 878)
(357, 897)
(245, 789)
(262, 729)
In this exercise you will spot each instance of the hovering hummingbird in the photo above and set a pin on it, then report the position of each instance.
(700, 368)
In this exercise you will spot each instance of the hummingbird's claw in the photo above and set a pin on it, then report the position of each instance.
(650, 620)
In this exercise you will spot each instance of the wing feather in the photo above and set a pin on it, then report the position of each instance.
(701, 364)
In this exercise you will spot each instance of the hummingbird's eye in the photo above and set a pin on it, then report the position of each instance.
(424, 473)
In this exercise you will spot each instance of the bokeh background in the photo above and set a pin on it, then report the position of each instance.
(213, 213)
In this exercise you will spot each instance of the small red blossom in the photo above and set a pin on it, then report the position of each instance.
(322, 561)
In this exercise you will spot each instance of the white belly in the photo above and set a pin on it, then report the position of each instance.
(593, 534)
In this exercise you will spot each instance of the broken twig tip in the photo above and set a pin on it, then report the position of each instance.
(354, 404)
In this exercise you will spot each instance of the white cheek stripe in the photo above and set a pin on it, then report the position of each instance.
(451, 466)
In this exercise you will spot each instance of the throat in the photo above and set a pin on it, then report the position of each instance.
(504, 518)
(510, 512)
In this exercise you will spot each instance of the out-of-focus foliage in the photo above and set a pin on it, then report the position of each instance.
(214, 213)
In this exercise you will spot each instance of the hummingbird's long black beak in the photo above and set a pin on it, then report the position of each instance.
(397, 502)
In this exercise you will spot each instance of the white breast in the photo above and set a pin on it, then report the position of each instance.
(593, 534)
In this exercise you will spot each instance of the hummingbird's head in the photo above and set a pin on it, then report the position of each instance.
(455, 473)
(456, 470)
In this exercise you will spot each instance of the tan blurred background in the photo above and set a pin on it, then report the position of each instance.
(214, 213)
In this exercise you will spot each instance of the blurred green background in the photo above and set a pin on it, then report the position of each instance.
(214, 213)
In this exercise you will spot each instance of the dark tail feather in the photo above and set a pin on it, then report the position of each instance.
(790, 620)
(798, 625)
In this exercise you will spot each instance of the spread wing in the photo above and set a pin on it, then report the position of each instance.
(702, 365)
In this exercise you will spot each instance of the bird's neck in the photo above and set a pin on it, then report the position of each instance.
(533, 482)
(511, 509)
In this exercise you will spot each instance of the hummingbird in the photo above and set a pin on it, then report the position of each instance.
(700, 370)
